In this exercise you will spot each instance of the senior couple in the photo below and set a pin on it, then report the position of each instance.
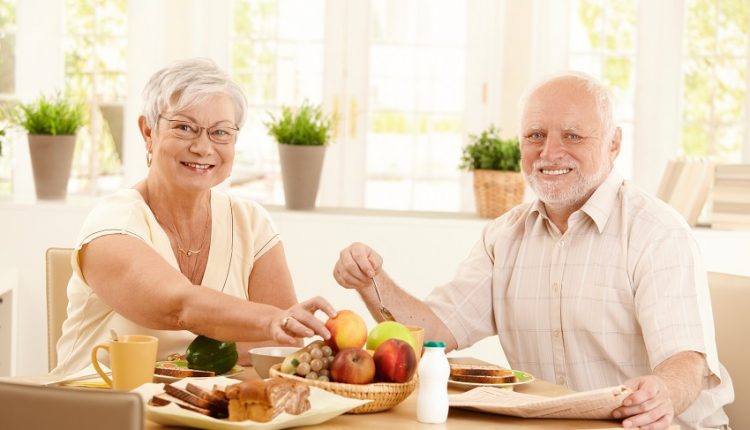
(593, 284)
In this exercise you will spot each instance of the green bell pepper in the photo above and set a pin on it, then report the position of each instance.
(205, 353)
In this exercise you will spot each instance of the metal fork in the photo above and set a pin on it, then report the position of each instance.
(384, 312)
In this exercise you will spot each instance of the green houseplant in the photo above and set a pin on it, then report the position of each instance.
(51, 123)
(302, 134)
(495, 162)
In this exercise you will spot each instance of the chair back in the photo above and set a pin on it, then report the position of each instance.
(730, 296)
(40, 407)
(59, 271)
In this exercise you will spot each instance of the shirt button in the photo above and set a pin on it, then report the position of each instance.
(561, 380)
(555, 288)
(556, 333)
(561, 243)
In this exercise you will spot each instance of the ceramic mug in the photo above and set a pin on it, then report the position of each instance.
(131, 359)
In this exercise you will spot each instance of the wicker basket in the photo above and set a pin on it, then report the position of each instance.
(497, 191)
(383, 395)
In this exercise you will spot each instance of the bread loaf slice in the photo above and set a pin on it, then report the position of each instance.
(164, 399)
(180, 372)
(481, 374)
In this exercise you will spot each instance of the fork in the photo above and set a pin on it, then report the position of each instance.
(384, 312)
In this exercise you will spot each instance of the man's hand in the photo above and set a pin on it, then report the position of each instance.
(649, 407)
(357, 265)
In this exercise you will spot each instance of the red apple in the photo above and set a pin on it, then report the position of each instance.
(395, 361)
(353, 366)
(348, 330)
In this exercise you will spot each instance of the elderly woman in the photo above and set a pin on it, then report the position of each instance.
(173, 257)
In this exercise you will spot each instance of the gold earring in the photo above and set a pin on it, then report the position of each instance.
(148, 159)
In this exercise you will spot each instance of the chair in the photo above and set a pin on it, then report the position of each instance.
(58, 275)
(730, 295)
(40, 407)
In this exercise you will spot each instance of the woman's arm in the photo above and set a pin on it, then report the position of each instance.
(133, 279)
(270, 283)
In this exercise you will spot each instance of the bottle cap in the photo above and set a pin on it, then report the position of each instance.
(434, 344)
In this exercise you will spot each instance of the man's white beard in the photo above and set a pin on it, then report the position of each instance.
(553, 193)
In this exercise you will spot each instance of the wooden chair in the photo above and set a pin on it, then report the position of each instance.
(730, 295)
(59, 271)
(40, 407)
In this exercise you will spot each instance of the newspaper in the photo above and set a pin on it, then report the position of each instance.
(595, 404)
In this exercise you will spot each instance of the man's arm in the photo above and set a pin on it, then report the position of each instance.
(658, 398)
(356, 267)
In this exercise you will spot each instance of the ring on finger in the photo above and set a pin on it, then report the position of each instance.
(285, 322)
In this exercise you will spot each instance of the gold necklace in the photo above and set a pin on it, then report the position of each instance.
(178, 238)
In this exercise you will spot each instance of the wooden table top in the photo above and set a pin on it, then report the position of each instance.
(404, 415)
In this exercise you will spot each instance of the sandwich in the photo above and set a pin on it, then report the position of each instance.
(481, 374)
(262, 401)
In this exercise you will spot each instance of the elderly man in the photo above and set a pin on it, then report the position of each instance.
(594, 284)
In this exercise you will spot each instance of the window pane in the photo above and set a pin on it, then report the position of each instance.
(602, 44)
(416, 103)
(277, 57)
(715, 78)
(95, 49)
(7, 46)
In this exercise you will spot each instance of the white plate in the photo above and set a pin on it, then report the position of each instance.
(521, 378)
(181, 363)
(323, 406)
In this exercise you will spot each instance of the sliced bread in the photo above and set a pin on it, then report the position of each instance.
(481, 374)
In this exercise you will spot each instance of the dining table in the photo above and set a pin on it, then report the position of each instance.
(404, 415)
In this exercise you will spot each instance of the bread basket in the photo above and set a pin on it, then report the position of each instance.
(383, 395)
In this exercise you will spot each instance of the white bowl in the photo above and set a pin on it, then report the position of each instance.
(262, 358)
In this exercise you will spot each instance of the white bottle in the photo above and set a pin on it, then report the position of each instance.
(434, 371)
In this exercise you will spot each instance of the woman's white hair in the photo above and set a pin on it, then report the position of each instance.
(605, 100)
(187, 82)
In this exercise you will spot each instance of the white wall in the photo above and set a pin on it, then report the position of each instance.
(420, 252)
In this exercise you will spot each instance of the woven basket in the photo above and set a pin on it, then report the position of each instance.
(497, 191)
(383, 395)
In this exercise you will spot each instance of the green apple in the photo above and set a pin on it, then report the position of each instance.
(389, 330)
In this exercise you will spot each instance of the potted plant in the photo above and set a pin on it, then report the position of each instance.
(496, 163)
(302, 134)
(51, 124)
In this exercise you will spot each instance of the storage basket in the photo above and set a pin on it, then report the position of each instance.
(383, 395)
(496, 191)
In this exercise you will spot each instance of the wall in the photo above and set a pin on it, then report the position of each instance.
(420, 251)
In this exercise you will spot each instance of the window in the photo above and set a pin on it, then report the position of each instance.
(95, 46)
(394, 78)
(602, 44)
(716, 83)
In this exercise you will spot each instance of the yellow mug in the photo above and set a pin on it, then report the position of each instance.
(131, 359)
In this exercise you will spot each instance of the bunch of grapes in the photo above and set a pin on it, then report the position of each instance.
(314, 364)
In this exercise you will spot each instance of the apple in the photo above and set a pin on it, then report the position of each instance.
(395, 361)
(348, 330)
(389, 330)
(353, 366)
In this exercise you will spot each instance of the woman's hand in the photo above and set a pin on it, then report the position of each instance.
(357, 265)
(300, 321)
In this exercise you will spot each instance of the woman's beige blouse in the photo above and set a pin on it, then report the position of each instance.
(241, 232)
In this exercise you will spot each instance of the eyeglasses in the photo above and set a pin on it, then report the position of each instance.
(187, 130)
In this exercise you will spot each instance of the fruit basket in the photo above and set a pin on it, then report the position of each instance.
(383, 395)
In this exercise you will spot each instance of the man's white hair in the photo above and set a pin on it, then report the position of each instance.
(605, 100)
(187, 82)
